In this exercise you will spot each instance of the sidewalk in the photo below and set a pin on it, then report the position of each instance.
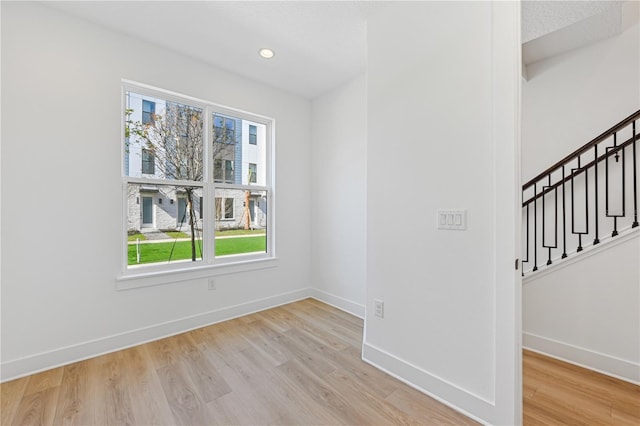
(168, 239)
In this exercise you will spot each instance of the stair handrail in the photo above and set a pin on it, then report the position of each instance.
(552, 182)
(604, 135)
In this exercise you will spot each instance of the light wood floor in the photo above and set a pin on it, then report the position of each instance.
(296, 364)
(558, 393)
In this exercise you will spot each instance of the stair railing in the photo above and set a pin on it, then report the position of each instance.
(585, 195)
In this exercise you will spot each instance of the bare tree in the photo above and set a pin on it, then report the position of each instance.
(174, 142)
(247, 203)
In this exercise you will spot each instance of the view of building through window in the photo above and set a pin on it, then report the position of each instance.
(195, 192)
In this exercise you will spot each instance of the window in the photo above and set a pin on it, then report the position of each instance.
(215, 189)
(148, 162)
(253, 173)
(223, 170)
(224, 129)
(148, 112)
(253, 135)
(224, 208)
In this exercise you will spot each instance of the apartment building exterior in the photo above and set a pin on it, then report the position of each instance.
(238, 148)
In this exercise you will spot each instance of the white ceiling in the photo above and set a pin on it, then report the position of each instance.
(318, 44)
(551, 28)
(541, 17)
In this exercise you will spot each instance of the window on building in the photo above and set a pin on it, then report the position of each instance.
(224, 129)
(253, 134)
(253, 173)
(219, 210)
(223, 171)
(148, 112)
(224, 208)
(148, 162)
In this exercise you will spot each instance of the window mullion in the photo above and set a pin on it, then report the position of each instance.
(208, 227)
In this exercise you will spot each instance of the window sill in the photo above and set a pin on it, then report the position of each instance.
(136, 279)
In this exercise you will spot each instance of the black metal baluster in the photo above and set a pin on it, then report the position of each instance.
(617, 157)
(635, 179)
(596, 240)
(586, 204)
(564, 219)
(615, 219)
(546, 189)
(535, 227)
(526, 260)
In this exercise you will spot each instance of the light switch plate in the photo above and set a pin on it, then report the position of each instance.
(452, 219)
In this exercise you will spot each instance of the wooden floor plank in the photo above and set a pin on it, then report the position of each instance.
(291, 365)
(556, 392)
(43, 381)
(426, 409)
(11, 394)
(150, 406)
(184, 402)
(318, 390)
(37, 408)
(251, 389)
(287, 395)
(113, 390)
(259, 336)
(77, 397)
(362, 399)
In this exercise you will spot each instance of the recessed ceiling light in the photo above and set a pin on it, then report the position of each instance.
(267, 53)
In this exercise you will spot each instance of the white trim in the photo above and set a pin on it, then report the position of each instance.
(602, 363)
(506, 64)
(221, 185)
(439, 389)
(146, 277)
(348, 306)
(606, 243)
(31, 364)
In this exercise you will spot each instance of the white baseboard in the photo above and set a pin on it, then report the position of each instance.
(445, 392)
(606, 243)
(348, 306)
(20, 367)
(602, 363)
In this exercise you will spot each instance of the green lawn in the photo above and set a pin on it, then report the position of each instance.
(159, 252)
(134, 237)
(177, 234)
(222, 233)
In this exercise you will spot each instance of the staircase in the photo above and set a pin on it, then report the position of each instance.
(583, 200)
(581, 266)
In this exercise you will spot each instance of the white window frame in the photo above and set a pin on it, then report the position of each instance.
(154, 274)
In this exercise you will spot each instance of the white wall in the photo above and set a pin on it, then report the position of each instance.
(442, 100)
(587, 311)
(571, 98)
(338, 196)
(62, 199)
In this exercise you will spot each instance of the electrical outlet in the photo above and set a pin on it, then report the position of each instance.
(379, 308)
(211, 284)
